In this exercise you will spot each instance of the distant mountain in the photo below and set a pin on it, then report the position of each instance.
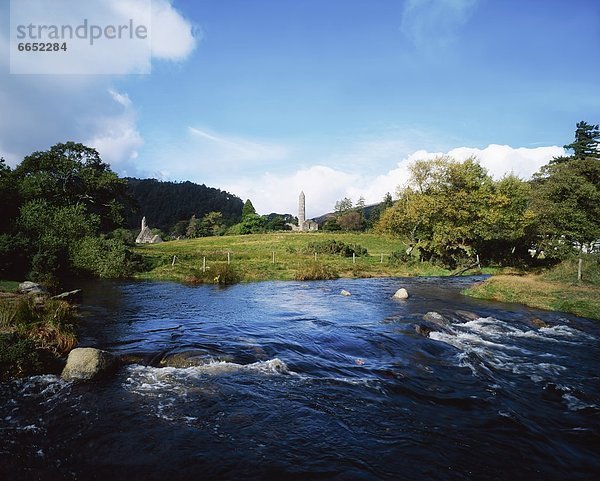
(166, 203)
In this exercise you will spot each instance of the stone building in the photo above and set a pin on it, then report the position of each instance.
(146, 236)
(303, 224)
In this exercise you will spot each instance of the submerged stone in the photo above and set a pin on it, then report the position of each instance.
(345, 293)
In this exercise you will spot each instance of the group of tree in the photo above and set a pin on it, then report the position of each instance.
(59, 208)
(451, 211)
(169, 206)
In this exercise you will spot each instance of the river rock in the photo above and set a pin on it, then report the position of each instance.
(539, 323)
(467, 315)
(70, 296)
(29, 287)
(422, 330)
(435, 317)
(88, 364)
(401, 294)
(345, 293)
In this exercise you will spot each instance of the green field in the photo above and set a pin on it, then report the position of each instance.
(251, 256)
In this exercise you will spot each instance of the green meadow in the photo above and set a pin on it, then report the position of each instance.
(277, 256)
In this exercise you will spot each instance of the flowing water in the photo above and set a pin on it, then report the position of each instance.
(291, 380)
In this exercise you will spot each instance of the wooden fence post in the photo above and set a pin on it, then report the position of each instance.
(579, 266)
(204, 264)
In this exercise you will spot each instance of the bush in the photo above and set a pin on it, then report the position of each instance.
(105, 258)
(14, 256)
(335, 248)
(49, 325)
(219, 273)
(18, 357)
(314, 271)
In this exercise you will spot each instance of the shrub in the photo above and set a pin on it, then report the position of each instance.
(335, 248)
(105, 258)
(314, 271)
(49, 325)
(219, 273)
(18, 356)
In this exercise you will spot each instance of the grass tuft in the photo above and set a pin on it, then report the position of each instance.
(315, 271)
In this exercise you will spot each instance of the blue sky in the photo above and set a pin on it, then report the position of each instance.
(335, 97)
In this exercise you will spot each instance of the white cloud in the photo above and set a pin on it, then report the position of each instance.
(173, 36)
(116, 137)
(39, 111)
(435, 23)
(324, 186)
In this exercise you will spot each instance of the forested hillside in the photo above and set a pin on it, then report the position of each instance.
(166, 203)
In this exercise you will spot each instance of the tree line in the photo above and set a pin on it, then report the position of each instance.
(452, 211)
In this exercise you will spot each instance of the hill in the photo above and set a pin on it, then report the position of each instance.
(166, 203)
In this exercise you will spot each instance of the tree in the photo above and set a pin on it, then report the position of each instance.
(343, 206)
(566, 202)
(192, 229)
(212, 224)
(72, 174)
(248, 209)
(351, 220)
(450, 210)
(587, 141)
(387, 200)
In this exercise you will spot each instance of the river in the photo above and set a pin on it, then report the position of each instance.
(293, 381)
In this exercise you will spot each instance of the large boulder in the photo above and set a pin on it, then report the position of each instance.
(345, 293)
(401, 294)
(29, 287)
(88, 364)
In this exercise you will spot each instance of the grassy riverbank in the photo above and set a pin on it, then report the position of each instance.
(554, 289)
(34, 334)
(278, 256)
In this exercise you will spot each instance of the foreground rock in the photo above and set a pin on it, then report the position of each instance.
(434, 322)
(88, 364)
(345, 293)
(29, 287)
(401, 294)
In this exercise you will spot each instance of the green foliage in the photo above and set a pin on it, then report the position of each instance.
(343, 205)
(334, 247)
(586, 143)
(33, 334)
(105, 258)
(331, 225)
(248, 209)
(165, 204)
(252, 224)
(72, 174)
(14, 256)
(566, 203)
(219, 273)
(18, 357)
(451, 210)
(192, 229)
(313, 271)
(351, 221)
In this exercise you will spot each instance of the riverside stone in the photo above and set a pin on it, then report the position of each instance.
(401, 294)
(29, 287)
(88, 364)
(345, 293)
(434, 317)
